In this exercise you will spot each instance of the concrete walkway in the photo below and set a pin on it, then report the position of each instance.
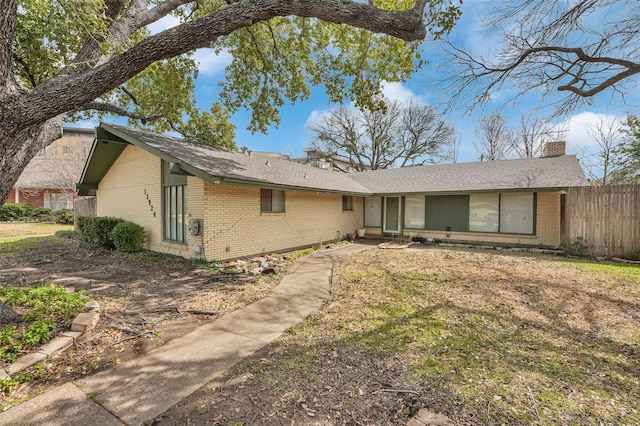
(141, 389)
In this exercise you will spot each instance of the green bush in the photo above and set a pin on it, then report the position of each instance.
(43, 214)
(635, 255)
(12, 212)
(96, 231)
(128, 236)
(70, 235)
(63, 216)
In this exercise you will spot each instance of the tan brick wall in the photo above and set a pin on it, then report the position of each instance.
(547, 228)
(554, 149)
(235, 227)
(131, 189)
(233, 224)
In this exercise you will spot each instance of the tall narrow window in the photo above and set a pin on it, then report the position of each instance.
(173, 205)
(414, 211)
(347, 203)
(271, 200)
(373, 211)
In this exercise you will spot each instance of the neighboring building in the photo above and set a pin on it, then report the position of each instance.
(199, 200)
(49, 179)
(317, 158)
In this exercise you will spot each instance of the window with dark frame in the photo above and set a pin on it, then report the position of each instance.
(174, 202)
(347, 203)
(271, 200)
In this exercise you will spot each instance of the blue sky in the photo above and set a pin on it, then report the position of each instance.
(292, 136)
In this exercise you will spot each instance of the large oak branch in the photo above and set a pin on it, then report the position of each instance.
(67, 92)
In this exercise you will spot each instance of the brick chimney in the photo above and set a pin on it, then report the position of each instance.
(554, 149)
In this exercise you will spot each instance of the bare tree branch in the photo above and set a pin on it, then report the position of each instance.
(581, 48)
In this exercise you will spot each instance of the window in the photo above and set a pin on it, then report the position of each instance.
(174, 202)
(516, 213)
(484, 212)
(56, 201)
(174, 207)
(373, 211)
(414, 211)
(511, 213)
(272, 200)
(347, 203)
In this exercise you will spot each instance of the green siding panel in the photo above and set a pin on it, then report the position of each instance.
(447, 211)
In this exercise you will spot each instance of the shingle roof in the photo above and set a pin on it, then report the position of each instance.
(214, 164)
(57, 169)
(233, 166)
(534, 173)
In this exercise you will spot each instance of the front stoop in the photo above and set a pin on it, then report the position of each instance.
(82, 323)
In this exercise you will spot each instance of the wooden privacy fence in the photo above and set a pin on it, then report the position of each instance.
(86, 206)
(604, 218)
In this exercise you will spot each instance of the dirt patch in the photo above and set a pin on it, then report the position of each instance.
(146, 300)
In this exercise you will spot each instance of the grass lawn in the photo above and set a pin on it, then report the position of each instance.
(14, 230)
(482, 336)
(514, 339)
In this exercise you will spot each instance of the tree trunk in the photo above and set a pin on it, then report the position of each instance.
(7, 314)
(18, 148)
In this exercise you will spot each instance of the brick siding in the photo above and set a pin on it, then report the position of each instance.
(233, 225)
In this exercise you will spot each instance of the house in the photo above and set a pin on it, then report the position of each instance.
(317, 158)
(50, 177)
(196, 200)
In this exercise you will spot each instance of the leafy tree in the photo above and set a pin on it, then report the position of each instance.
(88, 57)
(495, 139)
(627, 154)
(394, 136)
(580, 48)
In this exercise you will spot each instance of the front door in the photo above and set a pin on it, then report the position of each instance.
(391, 215)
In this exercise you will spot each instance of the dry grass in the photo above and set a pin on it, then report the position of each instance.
(21, 229)
(485, 337)
(515, 339)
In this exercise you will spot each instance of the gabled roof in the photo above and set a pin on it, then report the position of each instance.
(225, 167)
(59, 165)
(211, 164)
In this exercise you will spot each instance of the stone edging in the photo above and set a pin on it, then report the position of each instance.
(82, 322)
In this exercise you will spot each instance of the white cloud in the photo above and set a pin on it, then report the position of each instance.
(577, 128)
(314, 117)
(398, 92)
(210, 63)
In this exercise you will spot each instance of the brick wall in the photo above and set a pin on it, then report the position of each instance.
(131, 189)
(233, 224)
(34, 198)
(235, 227)
(554, 149)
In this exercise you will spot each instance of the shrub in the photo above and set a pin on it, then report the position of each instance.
(635, 255)
(70, 235)
(43, 214)
(12, 212)
(63, 216)
(96, 231)
(128, 236)
(577, 248)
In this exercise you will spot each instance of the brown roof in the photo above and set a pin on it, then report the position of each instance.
(55, 167)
